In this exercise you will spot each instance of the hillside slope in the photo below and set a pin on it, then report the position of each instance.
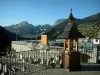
(84, 26)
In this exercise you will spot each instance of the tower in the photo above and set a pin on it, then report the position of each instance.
(71, 57)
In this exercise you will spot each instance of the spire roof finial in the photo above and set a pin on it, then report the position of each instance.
(71, 10)
(71, 18)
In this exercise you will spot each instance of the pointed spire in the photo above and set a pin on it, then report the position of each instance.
(71, 10)
(71, 18)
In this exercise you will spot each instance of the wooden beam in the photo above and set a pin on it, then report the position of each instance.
(76, 44)
(69, 45)
(64, 45)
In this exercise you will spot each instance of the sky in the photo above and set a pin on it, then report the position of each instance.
(44, 11)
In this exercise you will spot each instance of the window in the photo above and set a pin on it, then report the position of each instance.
(96, 40)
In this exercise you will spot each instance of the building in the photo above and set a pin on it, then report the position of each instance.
(19, 46)
(96, 41)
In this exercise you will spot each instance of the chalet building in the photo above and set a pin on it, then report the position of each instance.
(96, 41)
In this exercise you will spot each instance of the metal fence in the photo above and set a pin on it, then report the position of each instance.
(17, 62)
(22, 61)
(90, 55)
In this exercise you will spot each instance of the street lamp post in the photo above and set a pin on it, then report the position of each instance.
(16, 35)
(43, 30)
(36, 35)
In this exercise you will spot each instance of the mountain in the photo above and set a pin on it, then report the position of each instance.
(86, 26)
(59, 21)
(92, 18)
(57, 29)
(27, 30)
(85, 23)
(91, 29)
(5, 40)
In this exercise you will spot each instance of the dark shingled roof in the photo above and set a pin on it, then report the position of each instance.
(71, 30)
(71, 27)
(65, 35)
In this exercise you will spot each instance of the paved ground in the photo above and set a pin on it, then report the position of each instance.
(60, 72)
(87, 69)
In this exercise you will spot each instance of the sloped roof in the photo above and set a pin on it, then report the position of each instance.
(69, 34)
(71, 30)
(71, 27)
